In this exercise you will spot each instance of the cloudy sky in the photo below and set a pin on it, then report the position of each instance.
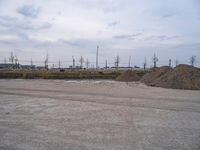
(66, 28)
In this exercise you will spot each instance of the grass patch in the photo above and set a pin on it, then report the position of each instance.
(21, 74)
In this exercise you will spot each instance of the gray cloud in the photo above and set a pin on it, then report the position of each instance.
(5, 42)
(81, 43)
(107, 6)
(162, 37)
(71, 43)
(15, 24)
(168, 15)
(192, 46)
(127, 36)
(113, 24)
(28, 11)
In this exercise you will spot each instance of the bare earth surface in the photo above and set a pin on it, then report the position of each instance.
(96, 115)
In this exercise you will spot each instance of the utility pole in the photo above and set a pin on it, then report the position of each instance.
(129, 62)
(170, 63)
(97, 57)
(155, 60)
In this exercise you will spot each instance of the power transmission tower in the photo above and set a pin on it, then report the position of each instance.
(97, 57)
(170, 63)
(81, 61)
(155, 60)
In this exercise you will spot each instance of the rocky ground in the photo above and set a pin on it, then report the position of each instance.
(100, 115)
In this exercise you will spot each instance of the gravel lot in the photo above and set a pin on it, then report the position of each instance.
(96, 115)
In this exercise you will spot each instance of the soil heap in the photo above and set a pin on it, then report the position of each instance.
(181, 77)
(129, 76)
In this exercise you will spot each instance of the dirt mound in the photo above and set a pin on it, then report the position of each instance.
(181, 77)
(153, 75)
(129, 76)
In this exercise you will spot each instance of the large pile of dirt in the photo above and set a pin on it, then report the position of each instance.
(153, 75)
(129, 76)
(181, 77)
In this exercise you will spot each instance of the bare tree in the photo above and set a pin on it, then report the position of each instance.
(170, 63)
(193, 60)
(46, 62)
(117, 60)
(145, 64)
(155, 60)
(87, 63)
(81, 61)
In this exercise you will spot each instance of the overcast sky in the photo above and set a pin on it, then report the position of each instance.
(66, 28)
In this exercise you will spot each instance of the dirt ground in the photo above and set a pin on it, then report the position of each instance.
(96, 115)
